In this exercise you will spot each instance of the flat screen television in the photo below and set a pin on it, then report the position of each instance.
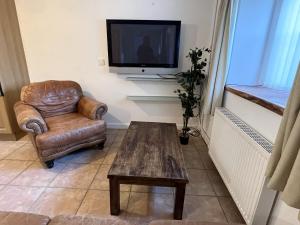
(143, 46)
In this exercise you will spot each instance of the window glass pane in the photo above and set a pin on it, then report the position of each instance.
(282, 53)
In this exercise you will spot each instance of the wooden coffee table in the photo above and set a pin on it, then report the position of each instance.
(150, 154)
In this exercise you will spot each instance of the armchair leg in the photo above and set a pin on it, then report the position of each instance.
(101, 145)
(49, 164)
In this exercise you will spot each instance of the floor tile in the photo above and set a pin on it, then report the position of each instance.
(231, 211)
(198, 142)
(76, 176)
(101, 181)
(89, 155)
(217, 183)
(9, 169)
(58, 201)
(37, 175)
(145, 207)
(199, 183)
(203, 208)
(192, 158)
(25, 138)
(110, 156)
(120, 136)
(8, 147)
(122, 131)
(109, 139)
(106, 149)
(201, 148)
(116, 144)
(97, 203)
(18, 198)
(152, 189)
(206, 160)
(110, 131)
(25, 152)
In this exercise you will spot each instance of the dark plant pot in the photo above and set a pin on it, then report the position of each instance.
(184, 139)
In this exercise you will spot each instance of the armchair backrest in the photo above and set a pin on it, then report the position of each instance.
(52, 98)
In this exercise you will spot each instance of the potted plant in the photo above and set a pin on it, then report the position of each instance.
(192, 84)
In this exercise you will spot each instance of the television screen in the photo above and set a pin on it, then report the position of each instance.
(143, 43)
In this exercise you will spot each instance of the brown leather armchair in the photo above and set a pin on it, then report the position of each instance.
(59, 119)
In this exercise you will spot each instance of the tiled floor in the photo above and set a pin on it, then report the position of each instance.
(78, 185)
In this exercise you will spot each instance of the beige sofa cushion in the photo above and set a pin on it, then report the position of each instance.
(82, 220)
(18, 218)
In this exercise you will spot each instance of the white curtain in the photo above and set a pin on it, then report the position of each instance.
(284, 164)
(224, 28)
(282, 53)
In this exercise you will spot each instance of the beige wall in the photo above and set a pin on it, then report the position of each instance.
(65, 39)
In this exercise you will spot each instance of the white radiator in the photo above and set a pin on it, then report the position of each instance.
(241, 154)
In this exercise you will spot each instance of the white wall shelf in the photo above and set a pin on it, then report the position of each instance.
(135, 78)
(153, 98)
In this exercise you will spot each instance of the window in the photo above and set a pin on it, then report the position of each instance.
(282, 53)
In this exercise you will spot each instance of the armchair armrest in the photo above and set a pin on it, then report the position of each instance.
(29, 119)
(91, 108)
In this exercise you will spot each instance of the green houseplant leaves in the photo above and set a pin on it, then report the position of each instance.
(192, 84)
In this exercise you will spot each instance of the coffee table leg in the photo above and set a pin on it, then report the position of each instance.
(179, 201)
(114, 189)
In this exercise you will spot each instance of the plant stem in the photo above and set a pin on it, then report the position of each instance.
(185, 127)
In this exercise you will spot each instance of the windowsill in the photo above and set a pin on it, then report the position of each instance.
(271, 99)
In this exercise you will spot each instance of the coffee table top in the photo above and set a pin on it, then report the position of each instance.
(150, 151)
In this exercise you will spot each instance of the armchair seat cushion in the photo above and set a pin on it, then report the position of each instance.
(69, 131)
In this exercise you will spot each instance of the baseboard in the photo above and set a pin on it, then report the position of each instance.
(8, 137)
(204, 136)
(12, 137)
